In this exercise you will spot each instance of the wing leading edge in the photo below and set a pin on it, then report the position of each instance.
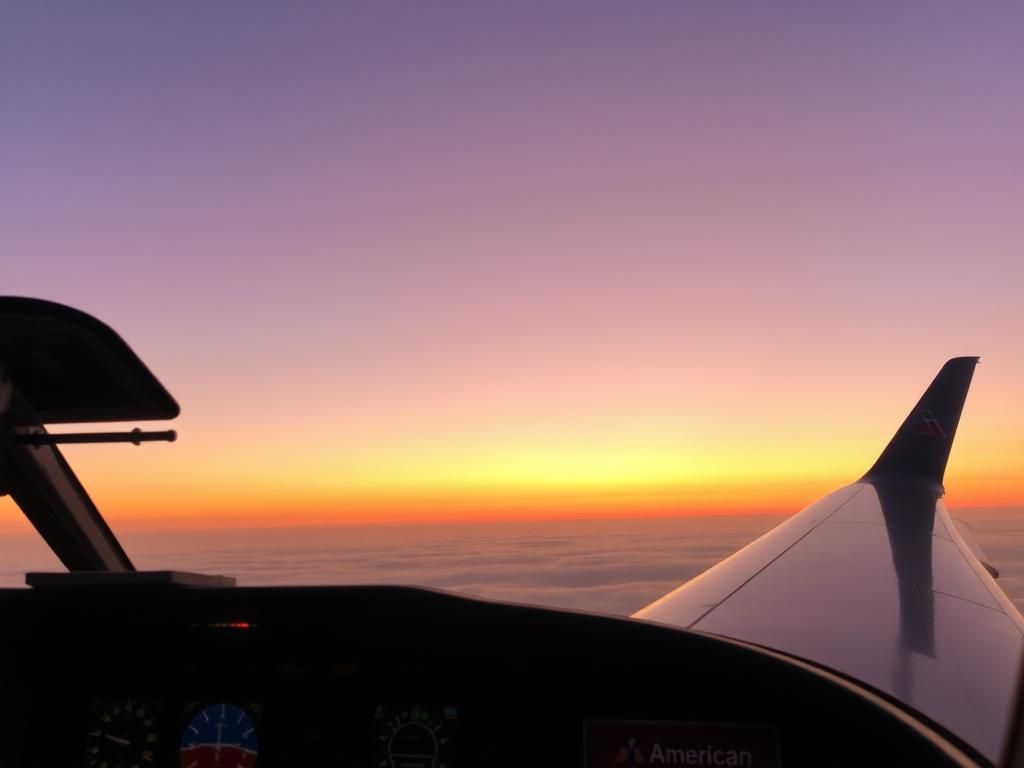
(876, 581)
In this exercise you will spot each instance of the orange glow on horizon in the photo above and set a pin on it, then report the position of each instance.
(738, 467)
(241, 507)
(718, 452)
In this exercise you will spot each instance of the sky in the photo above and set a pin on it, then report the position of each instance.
(478, 261)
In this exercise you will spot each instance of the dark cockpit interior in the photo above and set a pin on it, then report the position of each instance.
(409, 678)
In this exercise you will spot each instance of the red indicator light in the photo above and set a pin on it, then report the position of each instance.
(232, 625)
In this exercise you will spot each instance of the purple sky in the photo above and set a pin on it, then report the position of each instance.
(515, 226)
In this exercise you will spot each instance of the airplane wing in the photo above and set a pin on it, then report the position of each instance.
(876, 581)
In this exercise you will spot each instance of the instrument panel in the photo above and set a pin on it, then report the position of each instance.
(389, 677)
(126, 732)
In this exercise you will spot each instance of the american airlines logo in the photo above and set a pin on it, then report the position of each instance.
(632, 755)
(665, 744)
(930, 425)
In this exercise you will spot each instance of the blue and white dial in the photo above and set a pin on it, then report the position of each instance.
(220, 736)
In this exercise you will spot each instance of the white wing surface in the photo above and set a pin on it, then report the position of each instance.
(875, 581)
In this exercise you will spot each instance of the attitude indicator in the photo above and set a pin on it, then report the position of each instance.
(220, 736)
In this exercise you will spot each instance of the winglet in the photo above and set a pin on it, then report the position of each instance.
(920, 448)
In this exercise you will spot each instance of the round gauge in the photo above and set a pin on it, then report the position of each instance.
(219, 736)
(122, 734)
(413, 738)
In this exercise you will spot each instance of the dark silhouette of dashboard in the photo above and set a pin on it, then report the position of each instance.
(410, 678)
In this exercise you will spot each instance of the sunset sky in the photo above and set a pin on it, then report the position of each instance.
(470, 261)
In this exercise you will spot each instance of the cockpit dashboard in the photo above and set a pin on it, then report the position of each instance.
(392, 677)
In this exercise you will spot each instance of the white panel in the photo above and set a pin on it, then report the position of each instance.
(987, 648)
(952, 575)
(689, 602)
(865, 507)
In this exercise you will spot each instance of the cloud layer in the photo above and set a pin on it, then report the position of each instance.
(605, 566)
(610, 567)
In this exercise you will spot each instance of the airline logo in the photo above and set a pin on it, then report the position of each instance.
(930, 425)
(625, 744)
(630, 755)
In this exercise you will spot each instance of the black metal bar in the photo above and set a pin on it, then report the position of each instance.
(43, 485)
(136, 436)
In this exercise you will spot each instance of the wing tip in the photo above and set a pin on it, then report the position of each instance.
(920, 448)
